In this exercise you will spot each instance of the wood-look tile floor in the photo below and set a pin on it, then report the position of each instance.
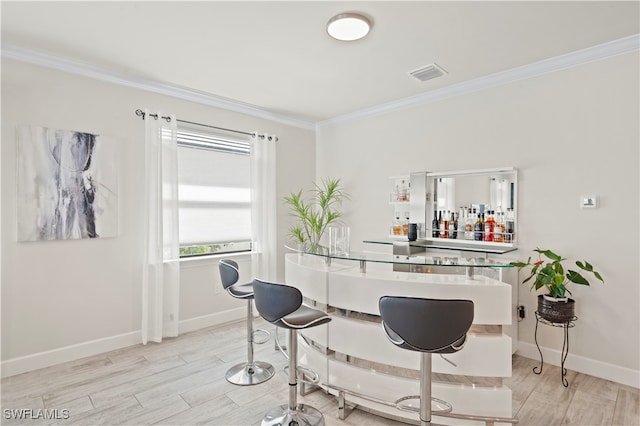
(181, 382)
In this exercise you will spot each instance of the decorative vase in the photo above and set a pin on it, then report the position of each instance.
(338, 240)
(556, 311)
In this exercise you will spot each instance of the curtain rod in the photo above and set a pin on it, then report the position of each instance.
(141, 113)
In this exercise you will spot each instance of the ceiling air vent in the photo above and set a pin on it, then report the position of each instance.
(428, 72)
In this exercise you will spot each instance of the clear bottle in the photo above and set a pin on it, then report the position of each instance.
(468, 225)
(509, 235)
(462, 220)
(498, 233)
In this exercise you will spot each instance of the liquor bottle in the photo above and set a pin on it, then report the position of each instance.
(403, 191)
(478, 228)
(489, 226)
(462, 219)
(498, 233)
(444, 225)
(509, 226)
(435, 225)
(468, 225)
(445, 217)
(405, 224)
(397, 226)
(453, 227)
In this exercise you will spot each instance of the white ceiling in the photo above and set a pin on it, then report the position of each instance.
(277, 56)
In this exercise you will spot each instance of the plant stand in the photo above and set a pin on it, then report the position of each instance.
(565, 344)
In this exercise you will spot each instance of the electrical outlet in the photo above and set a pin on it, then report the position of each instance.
(521, 312)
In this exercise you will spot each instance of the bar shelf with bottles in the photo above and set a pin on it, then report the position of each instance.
(476, 207)
(474, 224)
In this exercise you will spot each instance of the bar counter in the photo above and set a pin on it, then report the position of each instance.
(352, 353)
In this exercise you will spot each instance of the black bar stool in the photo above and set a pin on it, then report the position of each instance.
(427, 326)
(250, 372)
(282, 306)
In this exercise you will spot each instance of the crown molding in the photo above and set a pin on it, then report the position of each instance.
(90, 71)
(579, 57)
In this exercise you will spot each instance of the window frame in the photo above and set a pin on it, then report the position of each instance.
(196, 138)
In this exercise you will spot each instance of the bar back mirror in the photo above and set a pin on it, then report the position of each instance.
(471, 195)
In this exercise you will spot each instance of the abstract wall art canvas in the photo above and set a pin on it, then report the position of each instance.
(66, 185)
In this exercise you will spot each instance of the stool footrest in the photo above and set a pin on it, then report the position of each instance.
(260, 342)
(342, 407)
(404, 407)
(301, 373)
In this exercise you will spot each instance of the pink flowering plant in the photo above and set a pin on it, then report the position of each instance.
(551, 274)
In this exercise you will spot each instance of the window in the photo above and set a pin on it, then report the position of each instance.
(214, 193)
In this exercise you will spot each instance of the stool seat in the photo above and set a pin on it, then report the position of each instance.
(428, 326)
(241, 291)
(282, 306)
(303, 317)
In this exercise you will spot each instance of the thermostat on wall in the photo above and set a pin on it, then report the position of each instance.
(588, 201)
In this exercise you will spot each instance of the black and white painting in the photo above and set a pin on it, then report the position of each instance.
(66, 185)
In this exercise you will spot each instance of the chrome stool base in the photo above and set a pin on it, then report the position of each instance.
(250, 374)
(303, 415)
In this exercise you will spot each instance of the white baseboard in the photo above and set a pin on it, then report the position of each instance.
(39, 360)
(209, 320)
(23, 364)
(603, 370)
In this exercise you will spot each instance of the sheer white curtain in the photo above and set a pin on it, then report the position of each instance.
(263, 206)
(161, 270)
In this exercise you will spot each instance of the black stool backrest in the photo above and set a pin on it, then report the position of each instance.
(427, 325)
(275, 301)
(229, 272)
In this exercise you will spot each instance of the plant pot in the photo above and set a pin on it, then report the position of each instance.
(556, 311)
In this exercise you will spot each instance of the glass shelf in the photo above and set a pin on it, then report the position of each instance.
(477, 247)
(394, 259)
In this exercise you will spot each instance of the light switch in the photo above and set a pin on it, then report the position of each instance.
(588, 201)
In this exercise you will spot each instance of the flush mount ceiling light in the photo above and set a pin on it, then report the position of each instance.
(348, 26)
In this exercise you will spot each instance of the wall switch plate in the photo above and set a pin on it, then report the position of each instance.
(588, 201)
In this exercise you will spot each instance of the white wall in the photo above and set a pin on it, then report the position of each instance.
(87, 292)
(569, 133)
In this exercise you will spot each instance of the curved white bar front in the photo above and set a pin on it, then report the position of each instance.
(357, 356)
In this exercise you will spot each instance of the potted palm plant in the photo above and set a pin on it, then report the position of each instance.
(315, 214)
(555, 306)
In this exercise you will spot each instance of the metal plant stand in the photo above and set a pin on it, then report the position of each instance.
(566, 325)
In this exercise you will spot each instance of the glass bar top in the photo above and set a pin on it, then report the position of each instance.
(488, 248)
(454, 261)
